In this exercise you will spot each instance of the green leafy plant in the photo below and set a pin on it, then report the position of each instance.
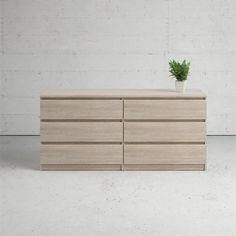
(179, 70)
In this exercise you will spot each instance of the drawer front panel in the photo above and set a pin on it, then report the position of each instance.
(84, 167)
(164, 131)
(81, 109)
(164, 167)
(81, 154)
(164, 154)
(165, 109)
(81, 131)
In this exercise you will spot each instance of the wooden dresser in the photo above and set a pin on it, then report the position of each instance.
(123, 130)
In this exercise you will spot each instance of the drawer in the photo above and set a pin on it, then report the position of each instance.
(81, 109)
(165, 109)
(164, 154)
(165, 167)
(164, 131)
(81, 154)
(81, 131)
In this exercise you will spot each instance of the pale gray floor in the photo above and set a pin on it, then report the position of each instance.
(116, 203)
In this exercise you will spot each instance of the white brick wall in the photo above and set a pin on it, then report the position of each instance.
(114, 44)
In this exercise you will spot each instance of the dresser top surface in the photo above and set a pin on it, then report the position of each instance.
(122, 93)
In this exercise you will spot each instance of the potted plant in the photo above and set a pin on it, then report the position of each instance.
(180, 72)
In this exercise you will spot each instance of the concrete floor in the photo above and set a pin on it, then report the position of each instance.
(33, 202)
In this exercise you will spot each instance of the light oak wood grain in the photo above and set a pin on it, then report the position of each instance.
(191, 167)
(164, 154)
(81, 154)
(165, 109)
(122, 93)
(164, 131)
(81, 131)
(123, 130)
(81, 109)
(55, 167)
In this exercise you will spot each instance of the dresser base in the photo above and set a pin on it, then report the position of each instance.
(192, 167)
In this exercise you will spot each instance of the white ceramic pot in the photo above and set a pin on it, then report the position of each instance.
(180, 86)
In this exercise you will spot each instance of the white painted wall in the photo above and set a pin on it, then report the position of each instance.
(114, 44)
